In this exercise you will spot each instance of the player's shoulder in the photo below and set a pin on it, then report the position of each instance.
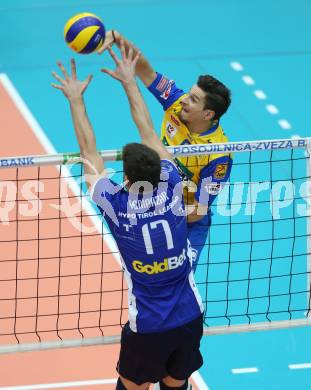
(106, 185)
(165, 90)
(222, 138)
(222, 135)
(167, 166)
(169, 171)
(214, 135)
(106, 189)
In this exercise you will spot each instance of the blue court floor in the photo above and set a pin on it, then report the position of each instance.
(257, 48)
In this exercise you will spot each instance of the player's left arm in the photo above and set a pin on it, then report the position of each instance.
(125, 73)
(73, 89)
(212, 179)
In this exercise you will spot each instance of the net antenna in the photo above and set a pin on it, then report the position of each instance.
(61, 282)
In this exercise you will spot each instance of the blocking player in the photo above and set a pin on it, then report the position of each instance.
(190, 118)
(147, 219)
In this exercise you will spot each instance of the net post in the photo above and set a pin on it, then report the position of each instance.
(308, 171)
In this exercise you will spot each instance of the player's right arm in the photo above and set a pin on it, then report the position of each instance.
(163, 89)
(73, 89)
(125, 73)
(144, 70)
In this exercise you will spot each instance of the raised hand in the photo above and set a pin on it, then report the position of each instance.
(71, 87)
(125, 70)
(109, 41)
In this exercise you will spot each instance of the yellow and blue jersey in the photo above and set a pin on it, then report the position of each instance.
(203, 175)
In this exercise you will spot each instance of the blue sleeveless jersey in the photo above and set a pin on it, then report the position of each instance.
(150, 230)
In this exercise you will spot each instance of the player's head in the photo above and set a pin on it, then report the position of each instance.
(207, 100)
(141, 163)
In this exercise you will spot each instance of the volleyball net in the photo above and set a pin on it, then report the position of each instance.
(61, 282)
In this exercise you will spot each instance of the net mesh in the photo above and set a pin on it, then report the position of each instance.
(59, 278)
(255, 265)
(60, 273)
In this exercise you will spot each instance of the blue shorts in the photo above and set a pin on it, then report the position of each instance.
(197, 235)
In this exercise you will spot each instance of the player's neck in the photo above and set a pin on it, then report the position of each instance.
(201, 127)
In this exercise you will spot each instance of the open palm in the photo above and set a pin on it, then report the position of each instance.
(70, 86)
(125, 70)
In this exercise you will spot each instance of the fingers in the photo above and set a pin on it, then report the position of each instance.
(89, 79)
(122, 49)
(73, 69)
(87, 82)
(111, 73)
(57, 86)
(130, 54)
(58, 78)
(127, 56)
(138, 54)
(109, 40)
(113, 55)
(103, 47)
(63, 70)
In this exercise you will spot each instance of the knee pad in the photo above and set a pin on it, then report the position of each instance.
(163, 386)
(120, 385)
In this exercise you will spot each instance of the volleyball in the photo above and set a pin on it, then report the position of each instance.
(84, 33)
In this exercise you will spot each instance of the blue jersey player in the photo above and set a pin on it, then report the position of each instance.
(190, 118)
(161, 340)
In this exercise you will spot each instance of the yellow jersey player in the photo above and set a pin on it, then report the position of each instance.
(190, 118)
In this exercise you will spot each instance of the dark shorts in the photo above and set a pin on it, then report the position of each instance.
(149, 357)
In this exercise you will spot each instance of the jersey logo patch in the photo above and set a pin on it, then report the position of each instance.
(213, 188)
(165, 95)
(177, 123)
(157, 267)
(162, 84)
(171, 130)
(220, 171)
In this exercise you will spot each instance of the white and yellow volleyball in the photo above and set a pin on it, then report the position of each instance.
(84, 33)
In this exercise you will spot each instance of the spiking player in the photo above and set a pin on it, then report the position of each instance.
(190, 118)
(162, 338)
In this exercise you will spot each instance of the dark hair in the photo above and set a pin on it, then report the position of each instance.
(218, 96)
(141, 163)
